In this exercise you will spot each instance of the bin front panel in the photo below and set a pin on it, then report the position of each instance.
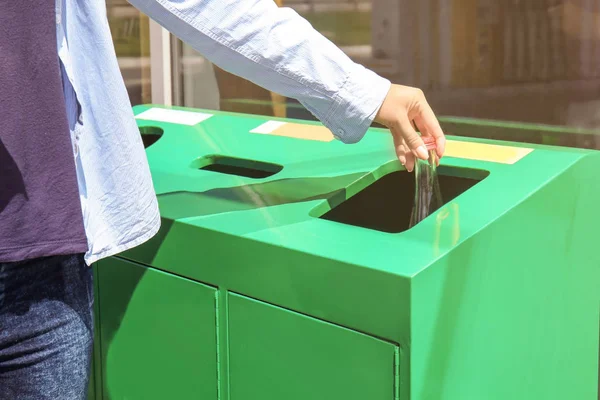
(158, 334)
(278, 354)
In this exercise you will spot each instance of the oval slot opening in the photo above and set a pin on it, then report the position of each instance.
(150, 135)
(237, 166)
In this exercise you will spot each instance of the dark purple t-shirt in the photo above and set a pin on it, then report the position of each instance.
(40, 211)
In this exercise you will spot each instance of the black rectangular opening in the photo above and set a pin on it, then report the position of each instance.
(237, 166)
(386, 204)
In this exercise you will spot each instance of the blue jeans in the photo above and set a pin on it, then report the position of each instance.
(46, 328)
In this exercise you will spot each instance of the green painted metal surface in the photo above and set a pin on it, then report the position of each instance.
(276, 354)
(157, 334)
(495, 296)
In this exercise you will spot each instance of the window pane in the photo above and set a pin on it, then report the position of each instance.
(130, 32)
(194, 80)
(535, 62)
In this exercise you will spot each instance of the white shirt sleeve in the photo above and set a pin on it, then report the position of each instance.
(279, 50)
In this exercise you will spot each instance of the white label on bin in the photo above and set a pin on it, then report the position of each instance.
(180, 117)
(268, 127)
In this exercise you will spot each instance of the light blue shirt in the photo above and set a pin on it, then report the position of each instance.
(271, 46)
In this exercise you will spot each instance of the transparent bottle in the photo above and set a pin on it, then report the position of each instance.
(428, 197)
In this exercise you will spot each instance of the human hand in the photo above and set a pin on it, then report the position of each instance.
(402, 106)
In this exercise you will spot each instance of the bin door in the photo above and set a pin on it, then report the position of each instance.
(277, 354)
(157, 333)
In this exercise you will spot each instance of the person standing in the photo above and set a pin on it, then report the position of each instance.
(75, 186)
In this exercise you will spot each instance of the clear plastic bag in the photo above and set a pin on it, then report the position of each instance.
(428, 197)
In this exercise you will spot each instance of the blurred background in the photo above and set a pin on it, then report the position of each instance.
(523, 70)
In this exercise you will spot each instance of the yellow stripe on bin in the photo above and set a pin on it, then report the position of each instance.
(485, 152)
(467, 150)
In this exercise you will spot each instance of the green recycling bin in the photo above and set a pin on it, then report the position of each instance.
(285, 269)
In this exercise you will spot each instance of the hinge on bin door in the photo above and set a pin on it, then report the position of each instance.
(396, 373)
